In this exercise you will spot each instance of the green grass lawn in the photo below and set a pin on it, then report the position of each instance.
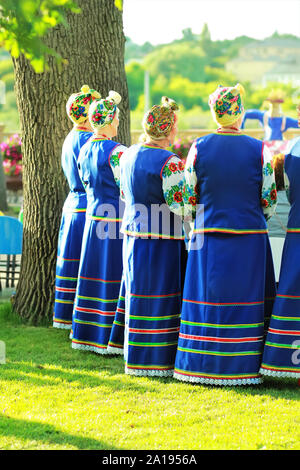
(54, 397)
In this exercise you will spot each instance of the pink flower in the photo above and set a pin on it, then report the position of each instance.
(6, 166)
(3, 146)
(12, 155)
(18, 169)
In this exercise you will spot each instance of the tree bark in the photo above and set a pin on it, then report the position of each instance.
(93, 45)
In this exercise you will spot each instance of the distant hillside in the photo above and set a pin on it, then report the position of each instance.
(189, 69)
(275, 59)
(250, 60)
(135, 51)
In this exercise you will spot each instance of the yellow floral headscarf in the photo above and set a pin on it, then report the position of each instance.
(226, 104)
(78, 104)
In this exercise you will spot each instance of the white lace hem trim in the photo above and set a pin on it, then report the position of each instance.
(85, 347)
(231, 382)
(149, 373)
(112, 350)
(62, 326)
(275, 373)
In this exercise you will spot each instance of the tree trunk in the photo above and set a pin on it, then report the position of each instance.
(93, 45)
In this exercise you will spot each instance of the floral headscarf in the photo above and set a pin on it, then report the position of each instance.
(78, 104)
(102, 112)
(159, 120)
(226, 104)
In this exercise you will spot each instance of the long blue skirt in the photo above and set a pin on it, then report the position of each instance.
(116, 340)
(223, 313)
(152, 273)
(281, 356)
(270, 288)
(68, 258)
(98, 287)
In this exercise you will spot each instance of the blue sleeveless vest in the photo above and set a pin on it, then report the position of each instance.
(70, 153)
(103, 194)
(146, 212)
(229, 173)
(292, 169)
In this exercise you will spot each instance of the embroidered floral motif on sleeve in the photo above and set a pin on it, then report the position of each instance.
(173, 185)
(268, 169)
(115, 162)
(191, 182)
(286, 185)
(269, 192)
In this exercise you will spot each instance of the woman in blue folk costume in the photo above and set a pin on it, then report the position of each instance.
(273, 121)
(281, 356)
(152, 180)
(100, 268)
(229, 264)
(73, 216)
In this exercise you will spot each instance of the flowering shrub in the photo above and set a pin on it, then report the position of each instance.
(181, 147)
(12, 155)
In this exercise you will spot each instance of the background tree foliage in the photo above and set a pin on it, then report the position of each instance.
(189, 69)
(23, 24)
(187, 58)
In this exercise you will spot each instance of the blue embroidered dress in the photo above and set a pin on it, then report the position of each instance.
(229, 274)
(281, 356)
(71, 230)
(152, 245)
(100, 268)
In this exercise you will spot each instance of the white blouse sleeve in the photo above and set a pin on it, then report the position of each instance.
(173, 185)
(286, 185)
(191, 182)
(268, 192)
(114, 161)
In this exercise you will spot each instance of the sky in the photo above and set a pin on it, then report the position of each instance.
(162, 21)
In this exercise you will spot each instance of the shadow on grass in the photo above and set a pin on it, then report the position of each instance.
(276, 388)
(46, 434)
(284, 388)
(43, 357)
(48, 359)
(44, 375)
